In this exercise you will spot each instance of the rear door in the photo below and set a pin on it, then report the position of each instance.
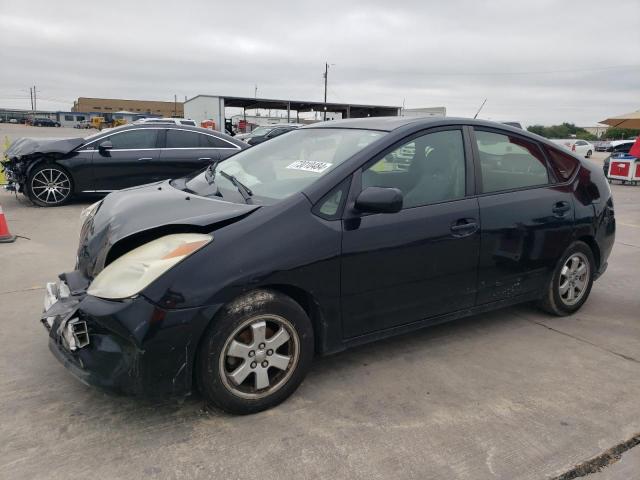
(187, 151)
(421, 262)
(130, 162)
(527, 217)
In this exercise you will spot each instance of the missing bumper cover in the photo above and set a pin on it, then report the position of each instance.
(75, 334)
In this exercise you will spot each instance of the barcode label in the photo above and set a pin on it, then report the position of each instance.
(309, 166)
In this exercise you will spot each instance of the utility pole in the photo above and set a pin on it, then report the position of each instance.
(326, 74)
(175, 105)
(31, 97)
(35, 105)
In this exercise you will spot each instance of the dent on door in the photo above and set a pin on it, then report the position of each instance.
(523, 234)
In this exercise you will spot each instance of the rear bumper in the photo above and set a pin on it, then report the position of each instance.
(134, 347)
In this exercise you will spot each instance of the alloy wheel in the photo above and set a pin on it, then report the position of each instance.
(574, 278)
(51, 186)
(259, 356)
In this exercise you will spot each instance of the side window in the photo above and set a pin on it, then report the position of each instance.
(68, 118)
(509, 162)
(329, 207)
(209, 141)
(182, 139)
(427, 169)
(143, 138)
(624, 147)
(563, 164)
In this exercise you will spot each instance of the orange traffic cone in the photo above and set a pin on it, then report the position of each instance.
(5, 236)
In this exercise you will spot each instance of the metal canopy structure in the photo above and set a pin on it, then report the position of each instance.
(348, 110)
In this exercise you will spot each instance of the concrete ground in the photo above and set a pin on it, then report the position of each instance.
(513, 394)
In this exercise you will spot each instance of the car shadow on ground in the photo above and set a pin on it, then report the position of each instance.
(324, 374)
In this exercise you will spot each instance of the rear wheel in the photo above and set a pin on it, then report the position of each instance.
(49, 186)
(572, 280)
(255, 353)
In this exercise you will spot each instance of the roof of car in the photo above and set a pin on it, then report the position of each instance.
(391, 123)
(175, 126)
(167, 125)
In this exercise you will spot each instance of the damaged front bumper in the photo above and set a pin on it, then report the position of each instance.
(130, 346)
(13, 175)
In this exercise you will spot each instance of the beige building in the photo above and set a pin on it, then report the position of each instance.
(112, 105)
(598, 130)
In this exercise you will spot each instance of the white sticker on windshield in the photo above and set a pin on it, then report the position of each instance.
(309, 166)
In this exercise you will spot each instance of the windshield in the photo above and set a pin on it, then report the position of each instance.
(283, 166)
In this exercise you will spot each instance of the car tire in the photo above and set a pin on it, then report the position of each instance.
(236, 370)
(49, 185)
(589, 153)
(571, 282)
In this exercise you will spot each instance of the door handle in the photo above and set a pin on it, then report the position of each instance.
(145, 159)
(560, 208)
(464, 227)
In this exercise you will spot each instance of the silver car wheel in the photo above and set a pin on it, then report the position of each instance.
(51, 185)
(259, 356)
(574, 278)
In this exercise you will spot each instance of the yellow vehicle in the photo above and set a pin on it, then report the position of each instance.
(101, 122)
(98, 122)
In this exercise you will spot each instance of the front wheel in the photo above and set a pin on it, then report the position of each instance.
(255, 353)
(572, 280)
(589, 153)
(49, 186)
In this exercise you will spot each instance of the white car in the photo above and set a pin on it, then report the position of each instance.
(177, 121)
(580, 147)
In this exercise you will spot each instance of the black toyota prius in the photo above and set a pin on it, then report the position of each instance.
(336, 234)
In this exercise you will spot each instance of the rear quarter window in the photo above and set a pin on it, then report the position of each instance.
(210, 141)
(563, 165)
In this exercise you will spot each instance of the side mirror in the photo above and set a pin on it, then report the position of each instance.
(106, 145)
(379, 200)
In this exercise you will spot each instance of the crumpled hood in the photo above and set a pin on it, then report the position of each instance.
(138, 211)
(28, 146)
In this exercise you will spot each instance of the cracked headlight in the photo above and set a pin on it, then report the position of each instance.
(89, 212)
(132, 272)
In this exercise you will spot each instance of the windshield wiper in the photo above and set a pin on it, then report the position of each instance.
(210, 174)
(243, 189)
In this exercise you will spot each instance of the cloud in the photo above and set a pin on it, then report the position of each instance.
(537, 62)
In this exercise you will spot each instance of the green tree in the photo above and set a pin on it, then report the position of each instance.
(614, 133)
(564, 130)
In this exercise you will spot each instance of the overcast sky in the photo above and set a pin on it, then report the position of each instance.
(536, 61)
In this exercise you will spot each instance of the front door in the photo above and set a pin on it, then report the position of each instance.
(130, 162)
(420, 262)
(527, 220)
